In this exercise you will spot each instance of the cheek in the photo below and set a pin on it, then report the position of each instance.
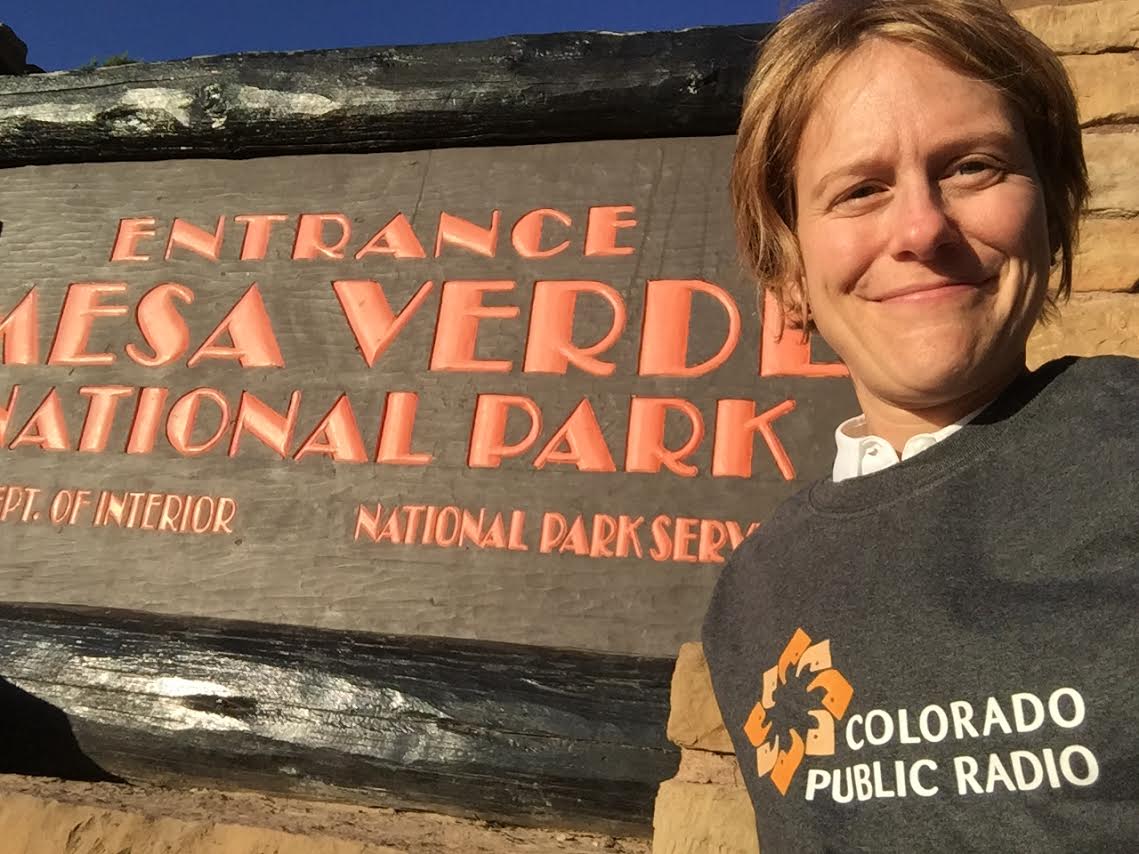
(836, 254)
(1015, 224)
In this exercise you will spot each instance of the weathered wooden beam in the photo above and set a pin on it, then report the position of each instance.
(525, 735)
(520, 89)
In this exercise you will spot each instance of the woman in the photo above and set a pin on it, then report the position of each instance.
(932, 650)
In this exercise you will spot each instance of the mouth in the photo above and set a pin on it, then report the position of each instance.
(931, 291)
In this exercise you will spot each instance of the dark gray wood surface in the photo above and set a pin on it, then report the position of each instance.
(520, 89)
(291, 557)
(500, 732)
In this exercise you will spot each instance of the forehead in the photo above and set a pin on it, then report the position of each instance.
(885, 93)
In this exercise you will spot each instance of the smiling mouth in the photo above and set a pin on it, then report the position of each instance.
(933, 291)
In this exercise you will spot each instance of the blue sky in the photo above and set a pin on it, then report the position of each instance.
(66, 33)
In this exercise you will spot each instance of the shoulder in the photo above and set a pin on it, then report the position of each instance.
(1096, 390)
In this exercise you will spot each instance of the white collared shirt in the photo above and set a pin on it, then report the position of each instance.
(859, 454)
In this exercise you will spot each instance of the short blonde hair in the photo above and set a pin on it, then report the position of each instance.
(978, 37)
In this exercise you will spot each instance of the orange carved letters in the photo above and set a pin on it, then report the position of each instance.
(584, 443)
(668, 320)
(248, 326)
(467, 235)
(397, 429)
(183, 419)
(101, 407)
(46, 429)
(161, 325)
(131, 231)
(20, 331)
(457, 329)
(80, 308)
(526, 236)
(396, 239)
(787, 353)
(6, 411)
(309, 243)
(601, 230)
(549, 344)
(488, 435)
(258, 228)
(197, 240)
(264, 423)
(736, 424)
(370, 316)
(147, 419)
(336, 436)
(646, 450)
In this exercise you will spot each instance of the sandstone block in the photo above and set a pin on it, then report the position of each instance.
(694, 719)
(704, 766)
(703, 818)
(1107, 86)
(34, 826)
(1112, 157)
(1081, 27)
(1107, 257)
(1088, 325)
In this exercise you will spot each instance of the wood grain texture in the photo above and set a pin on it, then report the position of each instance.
(519, 89)
(500, 732)
(292, 557)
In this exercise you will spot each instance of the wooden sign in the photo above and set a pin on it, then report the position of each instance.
(514, 394)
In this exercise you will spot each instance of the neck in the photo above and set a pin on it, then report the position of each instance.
(897, 424)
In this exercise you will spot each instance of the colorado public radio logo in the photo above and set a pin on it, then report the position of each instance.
(782, 761)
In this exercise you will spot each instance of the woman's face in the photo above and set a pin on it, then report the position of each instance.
(922, 229)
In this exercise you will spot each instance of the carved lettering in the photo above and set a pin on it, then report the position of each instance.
(310, 243)
(601, 230)
(646, 450)
(736, 424)
(456, 332)
(526, 236)
(130, 232)
(370, 316)
(249, 328)
(20, 331)
(199, 241)
(258, 229)
(183, 419)
(549, 344)
(271, 428)
(394, 447)
(463, 233)
(579, 442)
(396, 239)
(789, 355)
(668, 321)
(46, 429)
(162, 326)
(101, 407)
(337, 436)
(488, 436)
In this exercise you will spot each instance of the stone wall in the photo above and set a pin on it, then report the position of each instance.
(1098, 41)
(704, 809)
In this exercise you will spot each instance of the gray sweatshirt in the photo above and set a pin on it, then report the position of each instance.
(944, 656)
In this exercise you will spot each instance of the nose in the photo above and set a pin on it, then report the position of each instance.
(922, 225)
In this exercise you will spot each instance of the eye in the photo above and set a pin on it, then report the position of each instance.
(858, 195)
(975, 171)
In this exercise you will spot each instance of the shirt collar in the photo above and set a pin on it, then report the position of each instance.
(858, 453)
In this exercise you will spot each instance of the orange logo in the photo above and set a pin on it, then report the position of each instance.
(782, 764)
